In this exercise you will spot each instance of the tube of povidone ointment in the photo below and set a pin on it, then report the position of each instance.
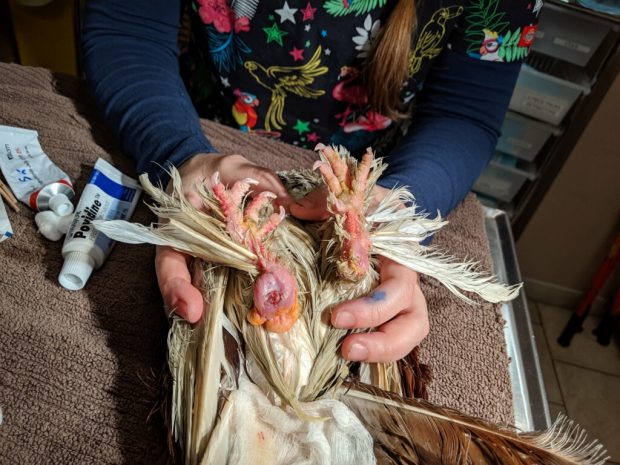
(109, 195)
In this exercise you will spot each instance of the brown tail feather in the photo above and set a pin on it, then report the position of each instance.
(410, 431)
(416, 376)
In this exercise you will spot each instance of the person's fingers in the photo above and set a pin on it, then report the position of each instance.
(194, 199)
(383, 304)
(312, 207)
(268, 180)
(397, 305)
(175, 284)
(238, 167)
(392, 341)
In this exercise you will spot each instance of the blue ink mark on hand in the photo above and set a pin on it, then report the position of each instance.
(376, 296)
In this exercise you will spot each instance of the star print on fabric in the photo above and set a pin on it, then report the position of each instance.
(225, 82)
(274, 34)
(307, 44)
(308, 12)
(297, 53)
(286, 13)
(302, 126)
(307, 28)
(313, 137)
(328, 52)
(323, 32)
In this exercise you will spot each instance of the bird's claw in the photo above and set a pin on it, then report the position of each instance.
(240, 219)
(347, 185)
(345, 182)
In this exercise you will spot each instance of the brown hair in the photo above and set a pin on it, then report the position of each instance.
(387, 69)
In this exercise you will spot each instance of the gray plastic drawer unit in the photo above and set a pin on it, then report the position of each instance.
(522, 137)
(569, 36)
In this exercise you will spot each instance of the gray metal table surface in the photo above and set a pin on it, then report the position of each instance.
(529, 398)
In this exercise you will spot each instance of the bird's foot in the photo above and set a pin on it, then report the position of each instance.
(247, 224)
(347, 185)
(275, 289)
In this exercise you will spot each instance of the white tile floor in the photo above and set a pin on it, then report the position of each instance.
(582, 380)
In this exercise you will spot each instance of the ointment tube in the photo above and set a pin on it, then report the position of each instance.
(32, 176)
(109, 195)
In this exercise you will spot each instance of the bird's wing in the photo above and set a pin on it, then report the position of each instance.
(313, 68)
(431, 53)
(240, 117)
(298, 85)
(429, 39)
(308, 71)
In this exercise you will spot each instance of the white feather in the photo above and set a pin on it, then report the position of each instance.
(183, 238)
(454, 275)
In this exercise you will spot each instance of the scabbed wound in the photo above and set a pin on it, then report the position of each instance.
(275, 299)
(355, 261)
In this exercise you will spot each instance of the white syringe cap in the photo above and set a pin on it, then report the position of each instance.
(61, 205)
(76, 270)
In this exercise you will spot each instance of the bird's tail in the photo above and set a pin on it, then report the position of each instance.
(274, 118)
(414, 432)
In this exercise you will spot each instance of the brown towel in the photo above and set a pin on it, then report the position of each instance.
(78, 370)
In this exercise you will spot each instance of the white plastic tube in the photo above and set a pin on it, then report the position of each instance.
(32, 176)
(109, 195)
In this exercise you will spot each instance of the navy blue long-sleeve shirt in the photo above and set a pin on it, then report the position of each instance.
(462, 73)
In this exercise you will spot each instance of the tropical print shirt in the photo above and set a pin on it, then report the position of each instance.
(290, 69)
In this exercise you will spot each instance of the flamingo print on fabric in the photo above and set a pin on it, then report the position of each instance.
(351, 91)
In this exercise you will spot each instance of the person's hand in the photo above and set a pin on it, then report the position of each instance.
(172, 267)
(313, 206)
(395, 310)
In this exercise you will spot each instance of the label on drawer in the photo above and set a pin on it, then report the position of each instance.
(571, 44)
(523, 144)
(544, 104)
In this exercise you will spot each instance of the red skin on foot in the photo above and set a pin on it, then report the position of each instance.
(275, 289)
(348, 188)
(355, 250)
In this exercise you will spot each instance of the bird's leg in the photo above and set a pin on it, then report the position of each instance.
(231, 201)
(275, 289)
(346, 200)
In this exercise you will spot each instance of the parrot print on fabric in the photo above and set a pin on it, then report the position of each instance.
(244, 112)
